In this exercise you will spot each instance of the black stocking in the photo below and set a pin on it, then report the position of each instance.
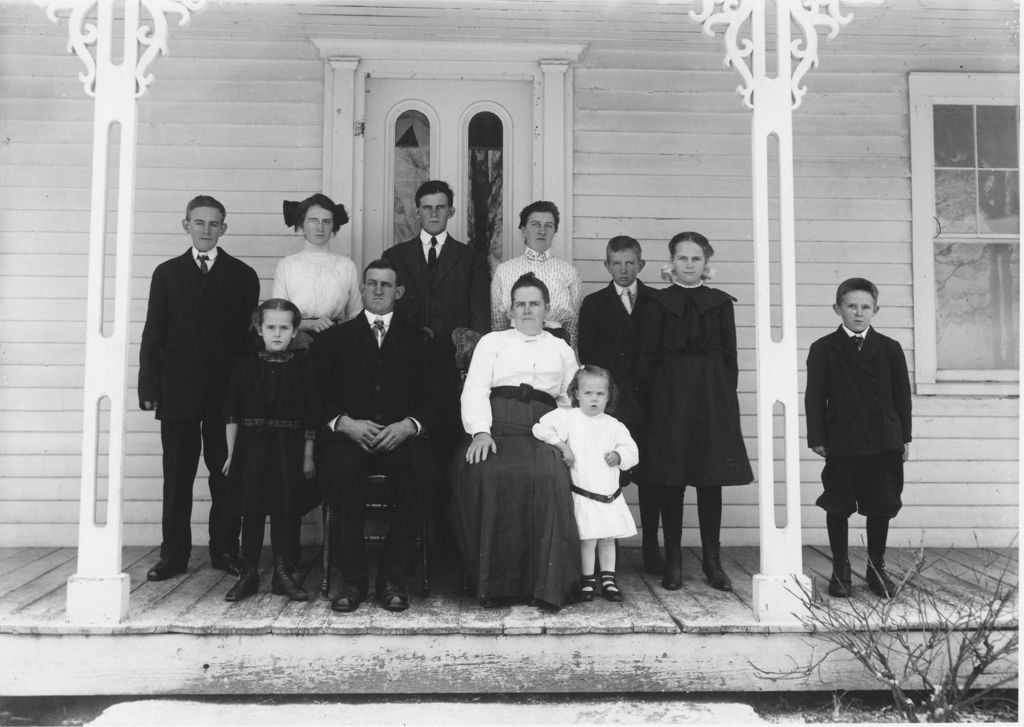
(838, 535)
(709, 514)
(878, 533)
(252, 539)
(672, 514)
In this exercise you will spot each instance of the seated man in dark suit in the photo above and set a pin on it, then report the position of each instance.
(378, 377)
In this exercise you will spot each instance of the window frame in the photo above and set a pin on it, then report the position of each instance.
(926, 91)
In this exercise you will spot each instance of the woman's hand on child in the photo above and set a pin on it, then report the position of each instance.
(821, 450)
(481, 446)
(612, 459)
(308, 468)
(567, 455)
(317, 325)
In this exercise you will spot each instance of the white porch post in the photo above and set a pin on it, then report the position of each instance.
(772, 97)
(98, 592)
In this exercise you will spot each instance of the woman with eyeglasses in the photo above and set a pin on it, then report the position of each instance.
(538, 223)
(321, 283)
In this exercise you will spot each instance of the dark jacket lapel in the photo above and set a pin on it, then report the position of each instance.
(451, 253)
(411, 253)
(848, 351)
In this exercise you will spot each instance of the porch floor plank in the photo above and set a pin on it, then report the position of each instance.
(36, 579)
(175, 597)
(992, 565)
(640, 605)
(211, 614)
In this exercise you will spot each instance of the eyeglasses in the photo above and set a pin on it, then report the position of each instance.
(316, 222)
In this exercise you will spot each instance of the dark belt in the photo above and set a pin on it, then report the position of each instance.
(523, 392)
(595, 496)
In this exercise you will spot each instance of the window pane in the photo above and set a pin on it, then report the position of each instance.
(999, 201)
(977, 305)
(954, 136)
(412, 168)
(956, 201)
(486, 185)
(997, 137)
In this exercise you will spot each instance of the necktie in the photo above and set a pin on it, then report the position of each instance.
(203, 267)
(378, 330)
(858, 340)
(630, 300)
(432, 255)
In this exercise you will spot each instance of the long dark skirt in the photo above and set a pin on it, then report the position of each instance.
(512, 515)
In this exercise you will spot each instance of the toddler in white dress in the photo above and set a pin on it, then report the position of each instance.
(595, 446)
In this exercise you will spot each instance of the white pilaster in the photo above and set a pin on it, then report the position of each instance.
(556, 168)
(343, 137)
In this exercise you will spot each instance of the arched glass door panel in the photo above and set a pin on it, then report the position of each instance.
(486, 180)
(412, 168)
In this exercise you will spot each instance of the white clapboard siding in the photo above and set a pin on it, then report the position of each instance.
(660, 144)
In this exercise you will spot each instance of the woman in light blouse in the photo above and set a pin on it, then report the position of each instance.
(511, 507)
(322, 284)
(538, 223)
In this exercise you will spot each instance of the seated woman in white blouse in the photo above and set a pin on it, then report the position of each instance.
(511, 506)
(322, 284)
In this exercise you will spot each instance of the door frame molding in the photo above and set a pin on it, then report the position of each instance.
(348, 62)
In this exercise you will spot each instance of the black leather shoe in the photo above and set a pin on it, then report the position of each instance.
(672, 578)
(228, 562)
(283, 585)
(391, 595)
(840, 584)
(248, 584)
(352, 593)
(166, 568)
(711, 565)
(878, 580)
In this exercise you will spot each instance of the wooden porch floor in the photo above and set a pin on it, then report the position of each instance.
(695, 638)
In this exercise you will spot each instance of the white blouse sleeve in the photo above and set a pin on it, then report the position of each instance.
(569, 366)
(629, 453)
(355, 298)
(476, 391)
(553, 427)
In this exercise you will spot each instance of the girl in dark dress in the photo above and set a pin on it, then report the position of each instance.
(689, 366)
(271, 415)
(511, 507)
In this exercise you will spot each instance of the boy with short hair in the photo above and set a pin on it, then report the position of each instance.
(609, 326)
(200, 309)
(858, 418)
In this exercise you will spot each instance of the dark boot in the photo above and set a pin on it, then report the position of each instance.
(712, 567)
(878, 580)
(672, 577)
(248, 584)
(653, 562)
(840, 584)
(283, 584)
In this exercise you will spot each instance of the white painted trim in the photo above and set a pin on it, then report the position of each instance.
(969, 388)
(339, 132)
(927, 90)
(548, 65)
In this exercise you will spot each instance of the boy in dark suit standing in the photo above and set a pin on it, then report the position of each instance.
(609, 325)
(447, 286)
(381, 397)
(200, 307)
(858, 418)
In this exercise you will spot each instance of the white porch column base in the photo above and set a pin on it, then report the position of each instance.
(98, 599)
(779, 598)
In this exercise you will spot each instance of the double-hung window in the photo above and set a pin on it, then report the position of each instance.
(966, 229)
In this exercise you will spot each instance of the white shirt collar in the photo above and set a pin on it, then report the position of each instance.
(211, 254)
(441, 238)
(622, 291)
(851, 334)
(371, 317)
